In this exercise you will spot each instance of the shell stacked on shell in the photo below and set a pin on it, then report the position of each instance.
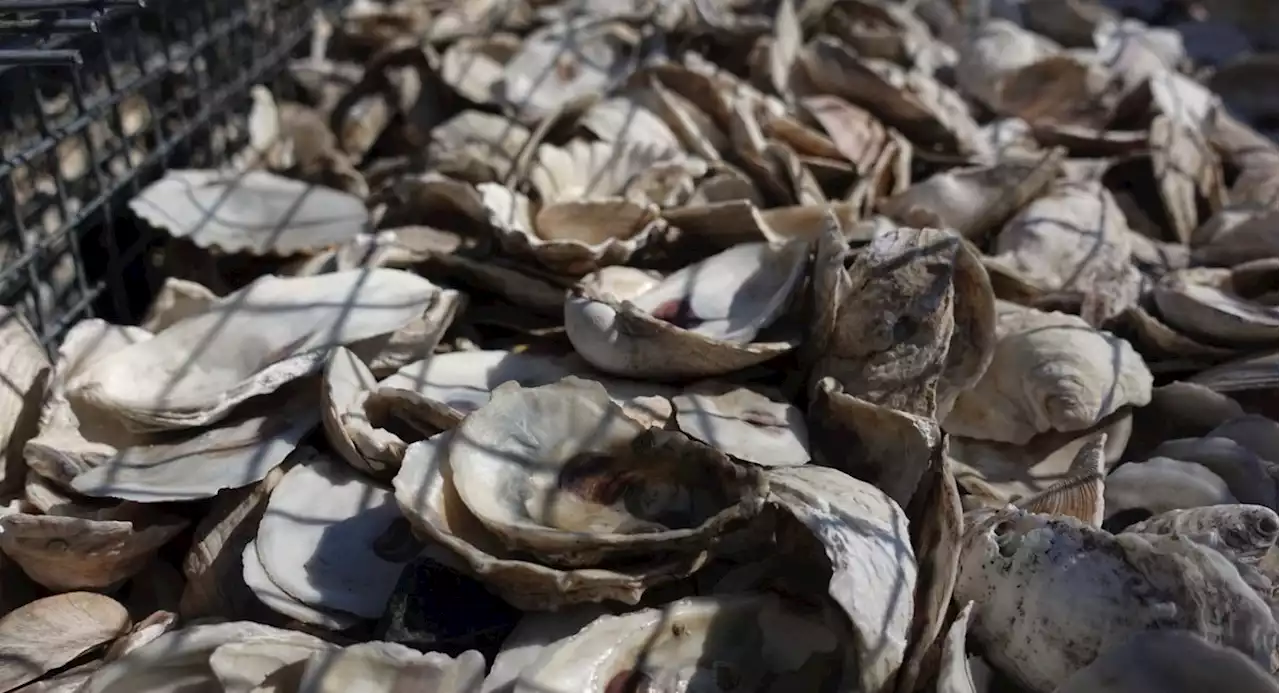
(845, 346)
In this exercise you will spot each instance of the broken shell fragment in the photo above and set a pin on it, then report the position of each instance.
(591, 483)
(348, 427)
(743, 423)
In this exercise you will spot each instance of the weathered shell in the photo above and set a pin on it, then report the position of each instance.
(317, 538)
(177, 299)
(48, 633)
(1050, 371)
(954, 675)
(559, 471)
(426, 495)
(1258, 434)
(1169, 661)
(255, 340)
(243, 666)
(908, 326)
(750, 639)
(701, 321)
(70, 553)
(345, 405)
(1161, 484)
(1249, 478)
(1240, 532)
(255, 212)
(1201, 303)
(863, 534)
(1051, 595)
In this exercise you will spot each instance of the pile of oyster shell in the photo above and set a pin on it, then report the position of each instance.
(715, 345)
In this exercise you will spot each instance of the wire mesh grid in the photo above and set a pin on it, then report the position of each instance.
(163, 86)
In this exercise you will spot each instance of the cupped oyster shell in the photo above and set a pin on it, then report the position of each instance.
(560, 471)
(426, 495)
(1239, 532)
(256, 339)
(701, 321)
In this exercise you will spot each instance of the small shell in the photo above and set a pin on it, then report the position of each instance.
(1161, 484)
(701, 321)
(71, 553)
(1080, 495)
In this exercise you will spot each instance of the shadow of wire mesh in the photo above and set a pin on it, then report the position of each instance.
(161, 87)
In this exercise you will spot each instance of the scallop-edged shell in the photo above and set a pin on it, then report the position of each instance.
(743, 423)
(1050, 372)
(1081, 493)
(747, 640)
(1169, 661)
(348, 424)
(318, 538)
(98, 552)
(234, 454)
(561, 472)
(1051, 595)
(864, 537)
(1240, 532)
(703, 320)
(48, 633)
(575, 229)
(908, 325)
(74, 439)
(974, 201)
(426, 495)
(24, 363)
(253, 212)
(255, 340)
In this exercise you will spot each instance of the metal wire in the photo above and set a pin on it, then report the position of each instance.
(160, 86)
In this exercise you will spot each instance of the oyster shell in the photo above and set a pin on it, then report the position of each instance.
(242, 347)
(48, 633)
(348, 386)
(1171, 661)
(1239, 532)
(25, 366)
(1051, 372)
(749, 640)
(711, 314)
(589, 483)
(1161, 484)
(1118, 585)
(743, 423)
(389, 666)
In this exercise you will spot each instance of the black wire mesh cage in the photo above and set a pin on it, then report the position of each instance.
(97, 99)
